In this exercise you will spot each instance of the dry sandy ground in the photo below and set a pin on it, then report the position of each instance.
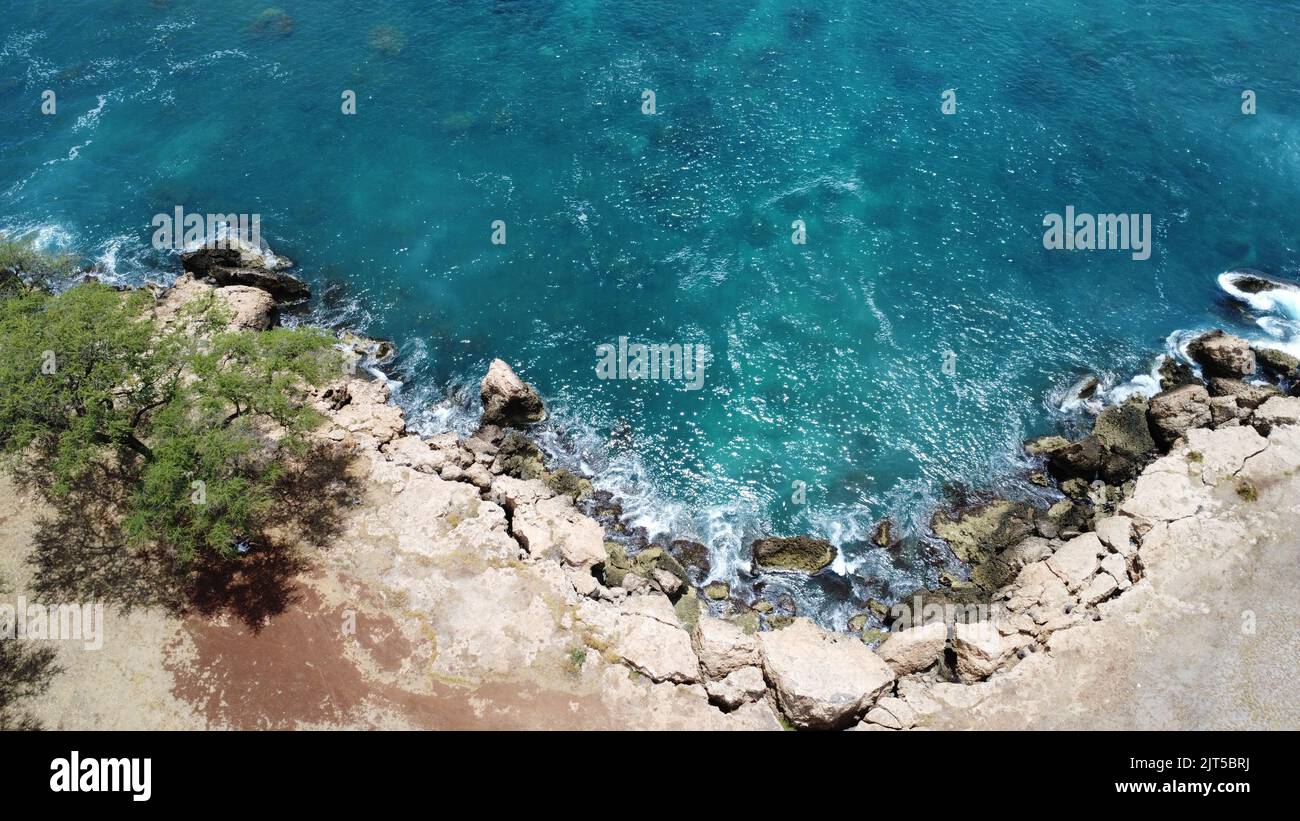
(1170, 653)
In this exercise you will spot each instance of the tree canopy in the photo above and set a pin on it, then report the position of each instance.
(201, 419)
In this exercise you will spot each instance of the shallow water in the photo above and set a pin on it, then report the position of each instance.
(924, 231)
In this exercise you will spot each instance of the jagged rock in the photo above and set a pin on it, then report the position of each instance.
(882, 536)
(1117, 567)
(822, 681)
(1061, 518)
(1246, 396)
(1116, 532)
(979, 532)
(567, 483)
(1224, 411)
(414, 452)
(252, 309)
(1076, 560)
(1278, 363)
(507, 400)
(1046, 445)
(800, 553)
(737, 687)
(239, 266)
(512, 493)
(1101, 587)
(663, 571)
(553, 528)
(1175, 374)
(1222, 354)
(693, 556)
(360, 407)
(518, 457)
(723, 647)
(915, 649)
(1084, 459)
(981, 650)
(717, 591)
(648, 637)
(1123, 428)
(893, 713)
(1279, 410)
(1172, 413)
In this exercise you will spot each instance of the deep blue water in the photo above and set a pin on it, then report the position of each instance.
(924, 230)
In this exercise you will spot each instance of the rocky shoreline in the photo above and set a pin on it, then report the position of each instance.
(532, 561)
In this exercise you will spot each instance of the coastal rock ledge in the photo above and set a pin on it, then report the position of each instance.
(498, 602)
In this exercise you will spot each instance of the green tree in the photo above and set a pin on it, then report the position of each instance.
(23, 265)
(199, 419)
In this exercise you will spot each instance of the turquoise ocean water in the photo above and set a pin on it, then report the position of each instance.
(924, 231)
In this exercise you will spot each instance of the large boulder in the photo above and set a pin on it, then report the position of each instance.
(977, 533)
(736, 688)
(1222, 354)
(648, 637)
(553, 528)
(241, 266)
(1279, 410)
(1172, 413)
(915, 649)
(981, 650)
(1123, 428)
(800, 553)
(1084, 459)
(251, 309)
(822, 680)
(1278, 363)
(1246, 396)
(507, 400)
(723, 647)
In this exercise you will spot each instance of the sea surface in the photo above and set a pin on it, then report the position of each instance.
(924, 230)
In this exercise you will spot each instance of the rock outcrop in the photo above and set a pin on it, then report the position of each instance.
(802, 554)
(1173, 412)
(821, 680)
(242, 265)
(507, 400)
(1222, 354)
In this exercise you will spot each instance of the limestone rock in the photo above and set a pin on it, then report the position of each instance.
(239, 266)
(800, 553)
(1222, 354)
(1173, 413)
(981, 650)
(1278, 363)
(1246, 396)
(976, 533)
(738, 687)
(1280, 410)
(723, 647)
(1116, 532)
(507, 400)
(1076, 561)
(915, 649)
(553, 528)
(893, 713)
(252, 309)
(822, 681)
(1123, 428)
(648, 637)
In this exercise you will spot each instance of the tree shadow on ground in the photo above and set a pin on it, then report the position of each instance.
(25, 672)
(81, 553)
